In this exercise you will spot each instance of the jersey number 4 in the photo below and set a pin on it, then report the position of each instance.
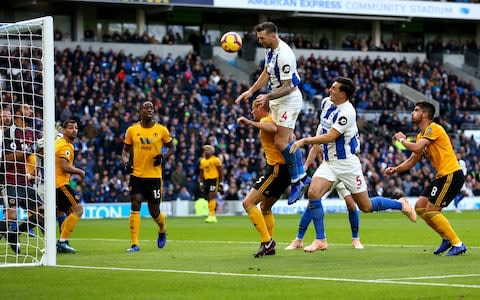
(284, 116)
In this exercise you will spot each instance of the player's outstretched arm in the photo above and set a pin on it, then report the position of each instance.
(261, 81)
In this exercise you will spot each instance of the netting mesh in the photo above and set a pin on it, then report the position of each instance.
(21, 164)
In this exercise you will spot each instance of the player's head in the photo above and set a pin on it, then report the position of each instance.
(147, 111)
(70, 129)
(423, 110)
(260, 111)
(267, 34)
(342, 89)
(6, 116)
(208, 150)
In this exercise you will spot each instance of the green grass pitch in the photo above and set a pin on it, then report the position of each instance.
(214, 261)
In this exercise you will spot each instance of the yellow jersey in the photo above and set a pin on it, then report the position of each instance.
(146, 144)
(440, 151)
(63, 150)
(209, 167)
(272, 154)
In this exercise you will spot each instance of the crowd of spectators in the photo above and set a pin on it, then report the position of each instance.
(103, 90)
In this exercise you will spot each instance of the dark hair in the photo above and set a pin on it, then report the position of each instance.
(346, 85)
(427, 107)
(65, 123)
(269, 27)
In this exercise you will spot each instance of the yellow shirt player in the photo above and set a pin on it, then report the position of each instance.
(269, 186)
(67, 200)
(433, 143)
(211, 179)
(142, 158)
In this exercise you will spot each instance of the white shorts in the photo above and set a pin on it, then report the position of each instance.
(341, 190)
(348, 171)
(285, 110)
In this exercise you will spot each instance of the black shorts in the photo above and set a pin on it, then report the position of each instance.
(66, 198)
(274, 182)
(149, 188)
(22, 196)
(442, 190)
(211, 186)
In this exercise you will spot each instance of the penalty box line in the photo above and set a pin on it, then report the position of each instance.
(273, 276)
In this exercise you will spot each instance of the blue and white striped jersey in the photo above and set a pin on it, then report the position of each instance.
(342, 118)
(281, 64)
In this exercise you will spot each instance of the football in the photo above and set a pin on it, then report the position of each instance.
(231, 42)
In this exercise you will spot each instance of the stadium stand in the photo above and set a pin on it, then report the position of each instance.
(103, 90)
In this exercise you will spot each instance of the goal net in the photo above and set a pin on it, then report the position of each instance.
(27, 174)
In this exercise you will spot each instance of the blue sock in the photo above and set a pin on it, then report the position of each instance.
(317, 212)
(457, 199)
(304, 222)
(291, 163)
(354, 222)
(383, 203)
(299, 162)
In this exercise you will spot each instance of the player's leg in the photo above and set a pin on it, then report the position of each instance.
(135, 186)
(69, 203)
(440, 193)
(284, 113)
(319, 187)
(255, 215)
(266, 208)
(211, 187)
(353, 215)
(34, 207)
(154, 200)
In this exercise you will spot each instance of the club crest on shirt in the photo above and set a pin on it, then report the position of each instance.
(342, 121)
(286, 68)
(428, 132)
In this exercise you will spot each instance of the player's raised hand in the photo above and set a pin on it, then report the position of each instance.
(389, 171)
(260, 100)
(298, 144)
(399, 135)
(243, 120)
(245, 95)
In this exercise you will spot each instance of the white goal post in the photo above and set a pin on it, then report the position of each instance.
(27, 92)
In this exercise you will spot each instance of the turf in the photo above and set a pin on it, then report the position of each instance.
(214, 261)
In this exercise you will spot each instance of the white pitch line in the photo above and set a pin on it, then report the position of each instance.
(256, 243)
(374, 281)
(433, 277)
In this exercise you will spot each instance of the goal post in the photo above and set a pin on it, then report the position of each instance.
(27, 80)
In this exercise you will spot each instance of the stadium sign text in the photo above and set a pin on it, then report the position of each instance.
(394, 8)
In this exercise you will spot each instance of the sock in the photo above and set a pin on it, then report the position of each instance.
(383, 203)
(303, 224)
(68, 226)
(269, 221)
(354, 222)
(317, 212)
(256, 217)
(299, 162)
(212, 204)
(457, 199)
(291, 163)
(444, 226)
(60, 220)
(134, 227)
(162, 225)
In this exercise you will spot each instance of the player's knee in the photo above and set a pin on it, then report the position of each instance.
(78, 210)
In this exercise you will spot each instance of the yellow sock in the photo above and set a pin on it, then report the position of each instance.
(427, 218)
(68, 225)
(444, 226)
(212, 204)
(258, 221)
(134, 227)
(162, 225)
(269, 221)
